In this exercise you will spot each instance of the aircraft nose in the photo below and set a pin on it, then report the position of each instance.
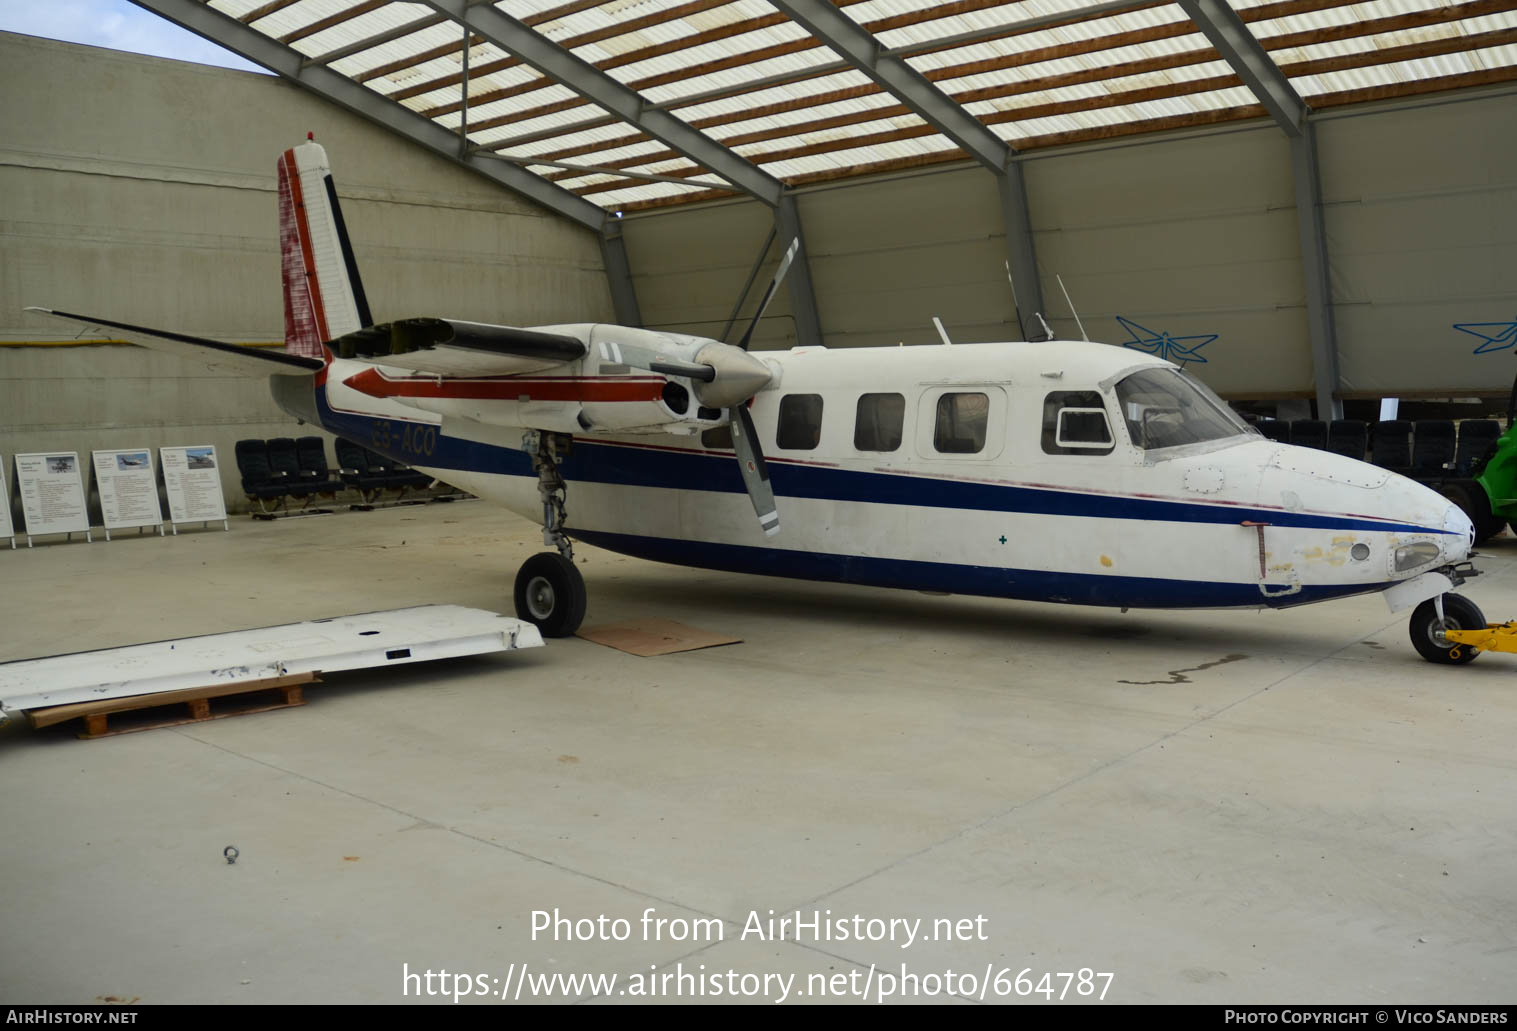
(1461, 534)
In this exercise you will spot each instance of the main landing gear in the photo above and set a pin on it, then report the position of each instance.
(550, 593)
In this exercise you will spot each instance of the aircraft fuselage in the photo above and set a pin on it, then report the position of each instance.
(1038, 471)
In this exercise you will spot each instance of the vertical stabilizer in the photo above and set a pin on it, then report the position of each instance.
(323, 296)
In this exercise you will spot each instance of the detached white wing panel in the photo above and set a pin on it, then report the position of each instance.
(317, 646)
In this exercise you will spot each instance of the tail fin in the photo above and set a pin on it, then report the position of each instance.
(323, 296)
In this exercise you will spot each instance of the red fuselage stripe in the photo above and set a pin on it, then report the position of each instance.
(514, 388)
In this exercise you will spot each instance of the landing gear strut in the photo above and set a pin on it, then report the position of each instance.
(550, 593)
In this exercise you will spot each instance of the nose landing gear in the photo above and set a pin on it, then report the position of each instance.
(1451, 630)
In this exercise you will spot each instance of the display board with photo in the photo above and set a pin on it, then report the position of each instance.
(52, 494)
(128, 489)
(192, 481)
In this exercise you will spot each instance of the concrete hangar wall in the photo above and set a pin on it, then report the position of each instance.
(143, 190)
(1189, 235)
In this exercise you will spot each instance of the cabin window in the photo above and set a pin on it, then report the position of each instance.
(879, 422)
(961, 421)
(800, 427)
(1074, 423)
(718, 438)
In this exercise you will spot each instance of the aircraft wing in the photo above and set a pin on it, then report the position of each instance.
(212, 354)
(450, 347)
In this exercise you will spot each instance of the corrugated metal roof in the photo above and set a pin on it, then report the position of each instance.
(1036, 72)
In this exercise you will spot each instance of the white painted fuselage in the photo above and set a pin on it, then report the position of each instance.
(1141, 519)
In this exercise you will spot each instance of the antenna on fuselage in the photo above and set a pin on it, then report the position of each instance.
(941, 331)
(1037, 314)
(1072, 308)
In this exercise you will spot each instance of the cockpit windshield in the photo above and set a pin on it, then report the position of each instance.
(1166, 408)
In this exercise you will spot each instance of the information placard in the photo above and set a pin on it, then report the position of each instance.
(7, 528)
(128, 489)
(192, 480)
(52, 494)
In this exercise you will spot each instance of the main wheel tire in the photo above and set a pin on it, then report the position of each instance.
(550, 594)
(1427, 632)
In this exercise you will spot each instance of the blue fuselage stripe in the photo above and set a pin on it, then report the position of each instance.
(987, 581)
(634, 466)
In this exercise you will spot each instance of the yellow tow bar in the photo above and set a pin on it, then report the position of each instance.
(1496, 637)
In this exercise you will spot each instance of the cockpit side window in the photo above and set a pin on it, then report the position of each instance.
(1074, 423)
(1165, 408)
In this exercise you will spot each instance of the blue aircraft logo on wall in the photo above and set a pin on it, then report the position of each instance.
(1172, 349)
(1494, 336)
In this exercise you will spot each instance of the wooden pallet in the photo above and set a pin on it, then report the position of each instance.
(231, 700)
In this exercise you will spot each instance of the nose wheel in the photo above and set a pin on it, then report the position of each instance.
(1429, 626)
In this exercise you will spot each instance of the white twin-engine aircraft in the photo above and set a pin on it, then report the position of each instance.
(1061, 471)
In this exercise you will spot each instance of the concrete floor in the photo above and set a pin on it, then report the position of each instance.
(1213, 807)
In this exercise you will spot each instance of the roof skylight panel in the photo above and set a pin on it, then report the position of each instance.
(1407, 72)
(361, 64)
(690, 58)
(355, 30)
(790, 94)
(1338, 14)
(614, 200)
(234, 8)
(396, 62)
(535, 92)
(302, 12)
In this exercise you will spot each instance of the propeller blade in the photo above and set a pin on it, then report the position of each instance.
(774, 284)
(755, 471)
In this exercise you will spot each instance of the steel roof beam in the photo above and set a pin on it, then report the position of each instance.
(833, 67)
(289, 64)
(863, 51)
(859, 47)
(583, 170)
(1220, 24)
(1236, 43)
(590, 82)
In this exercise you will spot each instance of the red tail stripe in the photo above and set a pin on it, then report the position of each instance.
(304, 229)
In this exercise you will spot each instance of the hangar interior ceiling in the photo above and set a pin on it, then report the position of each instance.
(609, 111)
(757, 78)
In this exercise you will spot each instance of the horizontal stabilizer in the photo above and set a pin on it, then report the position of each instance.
(213, 354)
(454, 348)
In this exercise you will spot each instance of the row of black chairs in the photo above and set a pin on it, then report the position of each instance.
(369, 473)
(274, 471)
(1428, 448)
